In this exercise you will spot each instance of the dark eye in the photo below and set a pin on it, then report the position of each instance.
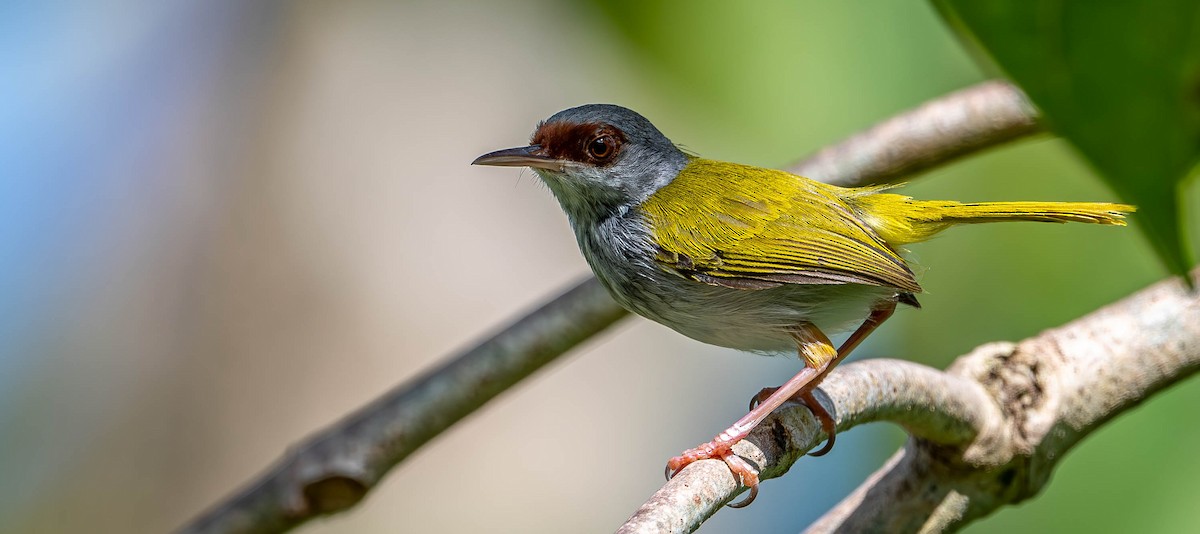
(601, 147)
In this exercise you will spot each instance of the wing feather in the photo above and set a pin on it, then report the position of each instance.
(775, 228)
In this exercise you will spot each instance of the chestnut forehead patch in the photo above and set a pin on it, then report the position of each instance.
(569, 140)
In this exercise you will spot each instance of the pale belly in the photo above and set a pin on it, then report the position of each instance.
(743, 319)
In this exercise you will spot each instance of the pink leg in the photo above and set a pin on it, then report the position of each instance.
(805, 397)
(817, 352)
(820, 357)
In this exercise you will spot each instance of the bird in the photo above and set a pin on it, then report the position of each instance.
(750, 258)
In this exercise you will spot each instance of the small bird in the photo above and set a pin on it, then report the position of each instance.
(744, 257)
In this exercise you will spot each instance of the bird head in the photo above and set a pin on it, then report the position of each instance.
(597, 159)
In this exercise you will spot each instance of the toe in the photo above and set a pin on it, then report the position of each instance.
(747, 475)
(828, 425)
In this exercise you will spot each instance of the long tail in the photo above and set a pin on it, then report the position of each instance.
(910, 221)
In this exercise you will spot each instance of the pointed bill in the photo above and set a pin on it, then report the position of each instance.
(526, 156)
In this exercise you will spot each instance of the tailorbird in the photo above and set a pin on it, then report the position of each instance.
(754, 259)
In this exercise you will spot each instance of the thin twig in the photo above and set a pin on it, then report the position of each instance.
(333, 470)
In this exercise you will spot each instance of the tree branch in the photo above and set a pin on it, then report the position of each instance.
(986, 433)
(933, 134)
(939, 407)
(334, 469)
(1054, 389)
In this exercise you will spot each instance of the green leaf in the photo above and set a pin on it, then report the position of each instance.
(1118, 79)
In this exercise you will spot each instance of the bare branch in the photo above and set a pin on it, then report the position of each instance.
(998, 421)
(333, 470)
(933, 134)
(936, 406)
(1055, 389)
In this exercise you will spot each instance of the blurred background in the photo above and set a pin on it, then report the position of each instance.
(223, 225)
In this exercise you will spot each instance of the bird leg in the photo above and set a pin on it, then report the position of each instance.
(879, 314)
(817, 352)
(819, 357)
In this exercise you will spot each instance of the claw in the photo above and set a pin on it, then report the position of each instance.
(703, 452)
(718, 450)
(819, 412)
(746, 502)
(827, 423)
(747, 476)
(825, 449)
(760, 396)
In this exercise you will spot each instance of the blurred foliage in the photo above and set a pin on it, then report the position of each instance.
(1119, 80)
(770, 84)
(783, 75)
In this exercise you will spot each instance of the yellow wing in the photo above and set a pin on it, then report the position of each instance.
(754, 228)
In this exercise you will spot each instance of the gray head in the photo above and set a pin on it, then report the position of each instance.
(598, 159)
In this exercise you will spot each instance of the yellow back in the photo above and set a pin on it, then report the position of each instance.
(730, 223)
(752, 228)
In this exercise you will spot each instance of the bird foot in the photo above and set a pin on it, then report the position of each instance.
(828, 425)
(719, 449)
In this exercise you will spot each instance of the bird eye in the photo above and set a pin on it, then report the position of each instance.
(601, 147)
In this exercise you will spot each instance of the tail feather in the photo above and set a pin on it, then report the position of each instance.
(901, 220)
(981, 212)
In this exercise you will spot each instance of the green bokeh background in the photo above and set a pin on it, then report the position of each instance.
(768, 84)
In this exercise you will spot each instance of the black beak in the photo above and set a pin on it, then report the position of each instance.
(526, 156)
